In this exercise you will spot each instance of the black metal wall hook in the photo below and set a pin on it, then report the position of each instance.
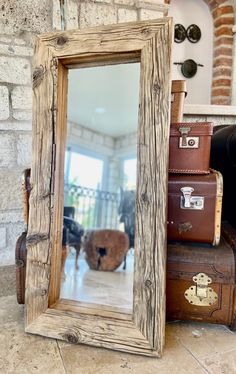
(193, 33)
(180, 33)
(188, 68)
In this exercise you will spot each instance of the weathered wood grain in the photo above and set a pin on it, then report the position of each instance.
(40, 226)
(142, 332)
(60, 120)
(150, 235)
(96, 330)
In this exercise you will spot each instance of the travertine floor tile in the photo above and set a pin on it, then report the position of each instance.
(224, 363)
(213, 339)
(22, 353)
(88, 360)
(214, 351)
(10, 311)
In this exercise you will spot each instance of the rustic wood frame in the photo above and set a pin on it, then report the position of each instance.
(141, 332)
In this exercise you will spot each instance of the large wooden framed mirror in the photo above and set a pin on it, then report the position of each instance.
(101, 100)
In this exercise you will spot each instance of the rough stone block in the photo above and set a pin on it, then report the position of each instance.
(13, 232)
(148, 14)
(14, 70)
(127, 15)
(152, 4)
(4, 103)
(103, 1)
(3, 237)
(21, 98)
(15, 125)
(92, 14)
(71, 14)
(10, 190)
(24, 150)
(56, 15)
(17, 16)
(20, 115)
(7, 150)
(12, 50)
(11, 216)
(125, 2)
(19, 41)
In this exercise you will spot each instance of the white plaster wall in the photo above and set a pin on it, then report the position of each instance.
(187, 12)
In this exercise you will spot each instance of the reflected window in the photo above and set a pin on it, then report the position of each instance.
(130, 166)
(85, 171)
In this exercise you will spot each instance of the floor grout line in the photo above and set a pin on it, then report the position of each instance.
(229, 330)
(219, 353)
(63, 364)
(194, 357)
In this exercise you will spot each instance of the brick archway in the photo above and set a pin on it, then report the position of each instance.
(223, 21)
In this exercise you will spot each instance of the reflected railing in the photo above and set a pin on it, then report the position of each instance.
(94, 208)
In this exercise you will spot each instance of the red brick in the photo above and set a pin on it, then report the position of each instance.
(220, 2)
(220, 101)
(224, 21)
(223, 31)
(221, 83)
(220, 92)
(221, 51)
(222, 61)
(222, 72)
(223, 10)
(212, 4)
(224, 40)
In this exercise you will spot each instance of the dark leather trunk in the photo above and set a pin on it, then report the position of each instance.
(190, 147)
(20, 261)
(185, 262)
(194, 207)
(223, 158)
(178, 94)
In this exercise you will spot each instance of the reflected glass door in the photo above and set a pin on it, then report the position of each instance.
(99, 186)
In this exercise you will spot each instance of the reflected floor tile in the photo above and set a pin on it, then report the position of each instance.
(114, 288)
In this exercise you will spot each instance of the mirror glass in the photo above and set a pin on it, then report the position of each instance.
(99, 185)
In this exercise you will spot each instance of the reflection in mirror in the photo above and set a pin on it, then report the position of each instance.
(99, 185)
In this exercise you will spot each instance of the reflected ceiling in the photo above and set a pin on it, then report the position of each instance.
(105, 99)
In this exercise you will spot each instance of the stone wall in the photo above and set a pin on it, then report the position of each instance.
(20, 22)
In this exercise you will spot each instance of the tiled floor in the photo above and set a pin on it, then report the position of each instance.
(190, 348)
(113, 288)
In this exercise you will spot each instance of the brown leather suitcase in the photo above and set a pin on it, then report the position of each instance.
(20, 249)
(190, 145)
(26, 193)
(20, 262)
(178, 94)
(194, 207)
(201, 282)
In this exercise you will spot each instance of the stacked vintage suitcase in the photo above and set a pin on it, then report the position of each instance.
(201, 263)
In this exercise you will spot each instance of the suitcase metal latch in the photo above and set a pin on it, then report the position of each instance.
(201, 294)
(187, 201)
(186, 141)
